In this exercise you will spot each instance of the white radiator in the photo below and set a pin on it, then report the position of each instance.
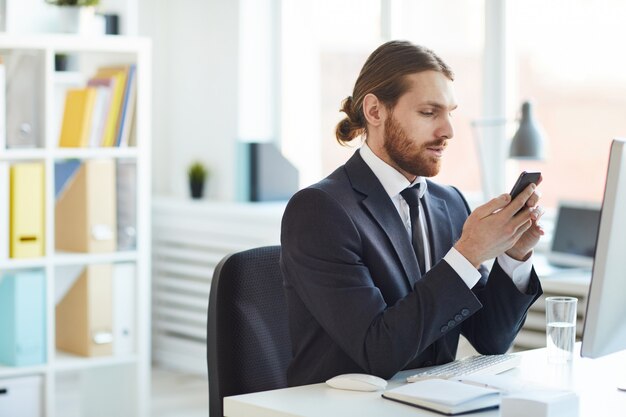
(189, 239)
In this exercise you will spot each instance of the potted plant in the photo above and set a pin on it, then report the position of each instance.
(197, 174)
(76, 16)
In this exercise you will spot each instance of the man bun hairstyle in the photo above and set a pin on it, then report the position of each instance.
(352, 125)
(383, 75)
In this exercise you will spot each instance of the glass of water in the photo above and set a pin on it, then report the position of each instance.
(560, 328)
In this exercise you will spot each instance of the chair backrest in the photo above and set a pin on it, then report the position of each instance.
(248, 344)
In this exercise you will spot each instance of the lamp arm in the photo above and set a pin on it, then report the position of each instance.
(489, 122)
(484, 171)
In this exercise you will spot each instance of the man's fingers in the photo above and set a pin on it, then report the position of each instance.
(520, 201)
(492, 205)
(537, 213)
(522, 228)
(534, 199)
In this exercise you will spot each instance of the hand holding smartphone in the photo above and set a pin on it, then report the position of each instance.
(523, 181)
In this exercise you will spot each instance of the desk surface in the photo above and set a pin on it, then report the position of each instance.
(594, 380)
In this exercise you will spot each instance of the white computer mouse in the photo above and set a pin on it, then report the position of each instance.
(357, 382)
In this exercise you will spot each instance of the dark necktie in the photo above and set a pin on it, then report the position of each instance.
(411, 196)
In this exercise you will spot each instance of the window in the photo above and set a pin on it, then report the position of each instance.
(323, 47)
(454, 30)
(568, 60)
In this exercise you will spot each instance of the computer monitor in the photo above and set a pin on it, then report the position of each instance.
(604, 330)
(575, 232)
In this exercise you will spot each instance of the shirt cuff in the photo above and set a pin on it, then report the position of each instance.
(463, 267)
(519, 271)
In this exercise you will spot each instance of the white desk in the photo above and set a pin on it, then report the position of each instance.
(594, 380)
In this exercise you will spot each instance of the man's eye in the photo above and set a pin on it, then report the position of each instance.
(427, 113)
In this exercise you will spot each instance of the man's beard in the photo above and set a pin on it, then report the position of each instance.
(408, 155)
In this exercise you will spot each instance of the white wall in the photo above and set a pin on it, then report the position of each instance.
(128, 11)
(195, 52)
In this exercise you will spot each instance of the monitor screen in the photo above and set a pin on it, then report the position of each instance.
(575, 232)
(604, 331)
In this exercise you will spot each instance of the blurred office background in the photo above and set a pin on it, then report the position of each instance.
(230, 72)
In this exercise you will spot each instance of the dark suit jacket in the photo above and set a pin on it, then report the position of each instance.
(357, 300)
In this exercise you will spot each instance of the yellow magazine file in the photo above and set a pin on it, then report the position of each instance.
(77, 116)
(84, 316)
(26, 218)
(85, 214)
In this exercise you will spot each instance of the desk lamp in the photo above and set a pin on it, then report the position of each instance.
(528, 143)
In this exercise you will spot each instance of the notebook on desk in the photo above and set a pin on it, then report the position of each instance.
(573, 242)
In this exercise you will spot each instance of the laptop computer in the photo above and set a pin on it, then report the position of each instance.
(574, 239)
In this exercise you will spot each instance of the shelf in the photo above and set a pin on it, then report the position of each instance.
(68, 153)
(6, 264)
(89, 153)
(65, 362)
(71, 43)
(69, 78)
(22, 154)
(130, 269)
(61, 259)
(13, 371)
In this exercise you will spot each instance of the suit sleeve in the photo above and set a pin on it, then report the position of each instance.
(321, 260)
(493, 329)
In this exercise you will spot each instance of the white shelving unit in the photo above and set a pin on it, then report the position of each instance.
(73, 385)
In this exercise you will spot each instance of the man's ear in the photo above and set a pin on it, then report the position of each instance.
(374, 110)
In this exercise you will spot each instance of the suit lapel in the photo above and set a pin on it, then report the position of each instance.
(439, 226)
(377, 202)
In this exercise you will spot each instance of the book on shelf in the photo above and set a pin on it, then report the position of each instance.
(23, 318)
(77, 117)
(24, 90)
(126, 182)
(123, 285)
(5, 223)
(3, 108)
(84, 318)
(101, 109)
(120, 74)
(102, 113)
(26, 210)
(85, 214)
(128, 108)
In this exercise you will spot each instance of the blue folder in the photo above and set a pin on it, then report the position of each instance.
(22, 318)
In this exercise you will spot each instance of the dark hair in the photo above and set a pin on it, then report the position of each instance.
(383, 75)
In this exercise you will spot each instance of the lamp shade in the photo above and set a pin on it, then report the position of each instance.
(528, 142)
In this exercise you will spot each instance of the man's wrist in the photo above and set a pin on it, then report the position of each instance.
(522, 257)
(467, 254)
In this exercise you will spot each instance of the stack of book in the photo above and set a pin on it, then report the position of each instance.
(101, 114)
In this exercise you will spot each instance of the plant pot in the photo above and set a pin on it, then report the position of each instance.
(196, 188)
(81, 20)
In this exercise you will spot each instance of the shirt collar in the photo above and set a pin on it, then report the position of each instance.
(392, 181)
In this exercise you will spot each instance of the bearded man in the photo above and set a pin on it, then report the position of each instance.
(383, 268)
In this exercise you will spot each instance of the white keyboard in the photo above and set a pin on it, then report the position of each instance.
(472, 365)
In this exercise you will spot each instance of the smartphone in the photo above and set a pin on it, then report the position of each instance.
(523, 181)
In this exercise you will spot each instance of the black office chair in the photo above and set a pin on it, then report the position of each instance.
(248, 344)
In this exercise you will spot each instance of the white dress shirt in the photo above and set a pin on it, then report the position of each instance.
(394, 182)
